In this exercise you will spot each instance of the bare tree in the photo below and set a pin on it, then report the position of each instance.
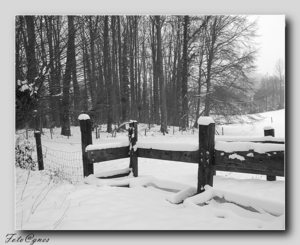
(149, 68)
(279, 69)
(65, 130)
(163, 105)
(229, 58)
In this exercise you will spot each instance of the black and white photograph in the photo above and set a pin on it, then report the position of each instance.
(150, 122)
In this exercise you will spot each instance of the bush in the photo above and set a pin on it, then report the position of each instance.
(23, 155)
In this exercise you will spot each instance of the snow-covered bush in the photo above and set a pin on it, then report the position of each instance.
(24, 155)
(25, 102)
(24, 85)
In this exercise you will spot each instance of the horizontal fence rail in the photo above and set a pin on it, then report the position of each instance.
(179, 156)
(269, 163)
(263, 140)
(107, 154)
(207, 156)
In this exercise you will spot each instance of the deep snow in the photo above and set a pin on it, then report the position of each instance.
(151, 202)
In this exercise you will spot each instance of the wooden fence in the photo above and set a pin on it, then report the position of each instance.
(208, 158)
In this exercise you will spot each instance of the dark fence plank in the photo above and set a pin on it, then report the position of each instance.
(247, 170)
(179, 156)
(107, 154)
(270, 142)
(115, 176)
(269, 163)
(256, 141)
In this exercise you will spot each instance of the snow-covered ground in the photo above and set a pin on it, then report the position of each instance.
(161, 198)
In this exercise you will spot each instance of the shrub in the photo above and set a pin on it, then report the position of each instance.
(23, 155)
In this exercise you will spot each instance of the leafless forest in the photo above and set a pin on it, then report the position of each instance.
(165, 70)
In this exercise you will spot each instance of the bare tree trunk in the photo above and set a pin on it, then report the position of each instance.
(54, 109)
(184, 112)
(93, 68)
(115, 72)
(125, 80)
(199, 87)
(30, 50)
(209, 64)
(76, 91)
(58, 70)
(65, 130)
(164, 117)
(137, 71)
(280, 69)
(155, 78)
(120, 65)
(18, 71)
(173, 96)
(132, 72)
(85, 91)
(178, 77)
(145, 111)
(107, 75)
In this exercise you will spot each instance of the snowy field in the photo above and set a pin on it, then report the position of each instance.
(159, 199)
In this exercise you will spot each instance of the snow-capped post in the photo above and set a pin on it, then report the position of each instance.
(86, 139)
(269, 131)
(37, 135)
(133, 138)
(206, 152)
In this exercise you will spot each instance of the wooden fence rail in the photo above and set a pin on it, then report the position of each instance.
(208, 158)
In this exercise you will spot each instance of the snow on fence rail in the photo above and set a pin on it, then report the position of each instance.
(266, 157)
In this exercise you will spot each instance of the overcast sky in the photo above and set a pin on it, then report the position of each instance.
(271, 29)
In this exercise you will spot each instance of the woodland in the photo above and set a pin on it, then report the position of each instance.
(165, 70)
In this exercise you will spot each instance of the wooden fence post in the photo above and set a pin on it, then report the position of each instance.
(86, 139)
(133, 138)
(269, 131)
(206, 152)
(37, 135)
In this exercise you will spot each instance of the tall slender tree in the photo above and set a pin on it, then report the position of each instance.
(125, 78)
(65, 130)
(185, 72)
(163, 105)
(107, 74)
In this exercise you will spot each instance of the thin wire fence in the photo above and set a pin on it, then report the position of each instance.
(65, 165)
